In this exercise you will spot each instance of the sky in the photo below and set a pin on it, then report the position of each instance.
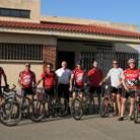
(119, 11)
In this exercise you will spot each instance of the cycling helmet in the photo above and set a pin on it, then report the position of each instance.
(131, 60)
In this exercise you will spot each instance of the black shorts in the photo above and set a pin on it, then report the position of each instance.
(130, 94)
(94, 90)
(116, 90)
(78, 89)
(28, 91)
(49, 92)
(63, 90)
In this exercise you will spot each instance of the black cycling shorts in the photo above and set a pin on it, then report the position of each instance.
(94, 90)
(49, 92)
(77, 89)
(28, 91)
(116, 90)
(130, 94)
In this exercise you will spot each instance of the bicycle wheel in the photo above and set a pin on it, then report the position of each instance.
(10, 113)
(61, 107)
(25, 107)
(37, 109)
(136, 113)
(77, 109)
(104, 108)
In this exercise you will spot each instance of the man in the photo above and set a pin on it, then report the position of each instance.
(49, 79)
(95, 75)
(77, 81)
(63, 75)
(27, 80)
(2, 74)
(130, 77)
(115, 74)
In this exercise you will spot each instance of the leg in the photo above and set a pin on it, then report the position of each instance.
(131, 106)
(114, 103)
(99, 96)
(119, 103)
(122, 109)
(91, 91)
(60, 91)
(73, 95)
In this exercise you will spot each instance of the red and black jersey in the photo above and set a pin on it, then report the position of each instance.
(27, 77)
(79, 77)
(95, 76)
(48, 79)
(130, 76)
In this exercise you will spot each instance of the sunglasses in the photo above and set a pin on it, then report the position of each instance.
(132, 63)
(115, 63)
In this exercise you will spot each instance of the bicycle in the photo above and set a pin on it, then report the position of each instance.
(80, 106)
(9, 108)
(106, 107)
(136, 111)
(45, 106)
(14, 108)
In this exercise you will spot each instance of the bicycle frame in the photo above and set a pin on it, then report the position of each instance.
(137, 99)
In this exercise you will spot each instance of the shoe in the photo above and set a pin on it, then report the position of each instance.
(121, 119)
(130, 118)
(114, 114)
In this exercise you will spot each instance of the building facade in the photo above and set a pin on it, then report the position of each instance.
(26, 36)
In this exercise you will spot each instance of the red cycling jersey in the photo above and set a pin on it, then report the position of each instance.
(79, 77)
(48, 79)
(27, 78)
(95, 77)
(130, 76)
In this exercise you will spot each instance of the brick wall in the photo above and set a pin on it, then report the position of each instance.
(49, 54)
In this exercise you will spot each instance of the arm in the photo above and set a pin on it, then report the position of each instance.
(123, 82)
(105, 79)
(34, 79)
(71, 81)
(19, 81)
(5, 77)
(39, 80)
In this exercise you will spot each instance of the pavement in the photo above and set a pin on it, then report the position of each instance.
(91, 127)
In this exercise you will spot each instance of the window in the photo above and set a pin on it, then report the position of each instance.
(14, 13)
(21, 51)
(105, 59)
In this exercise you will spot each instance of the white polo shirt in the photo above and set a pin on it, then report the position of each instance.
(63, 75)
(115, 75)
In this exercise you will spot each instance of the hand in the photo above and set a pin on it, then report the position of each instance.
(100, 84)
(127, 89)
(70, 89)
(85, 84)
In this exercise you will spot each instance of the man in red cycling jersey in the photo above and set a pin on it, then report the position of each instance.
(77, 80)
(95, 76)
(129, 77)
(49, 79)
(27, 80)
(2, 74)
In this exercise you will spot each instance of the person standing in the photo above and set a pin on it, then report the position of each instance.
(130, 79)
(27, 80)
(77, 81)
(95, 76)
(2, 74)
(115, 74)
(63, 78)
(49, 80)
